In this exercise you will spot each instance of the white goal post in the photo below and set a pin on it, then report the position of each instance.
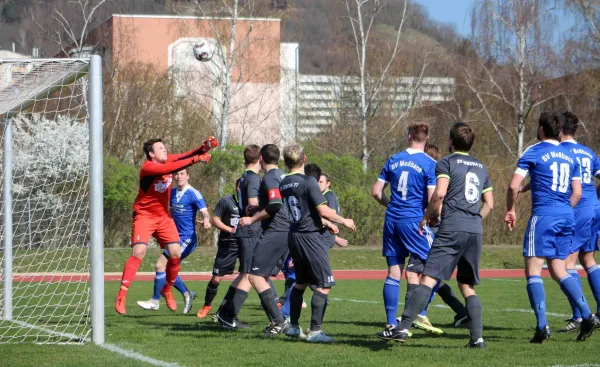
(52, 226)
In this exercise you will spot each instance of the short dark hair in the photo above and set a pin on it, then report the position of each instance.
(251, 154)
(237, 182)
(270, 154)
(327, 178)
(184, 169)
(312, 170)
(462, 137)
(433, 151)
(571, 122)
(149, 146)
(419, 131)
(551, 123)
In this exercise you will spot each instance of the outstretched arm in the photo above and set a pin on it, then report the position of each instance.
(154, 169)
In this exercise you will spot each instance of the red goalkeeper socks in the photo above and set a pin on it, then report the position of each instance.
(173, 266)
(131, 267)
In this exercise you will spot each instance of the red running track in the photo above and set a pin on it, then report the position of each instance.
(338, 274)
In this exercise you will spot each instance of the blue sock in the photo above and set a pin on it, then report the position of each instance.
(391, 295)
(572, 289)
(537, 299)
(594, 280)
(433, 292)
(285, 309)
(159, 282)
(574, 307)
(180, 286)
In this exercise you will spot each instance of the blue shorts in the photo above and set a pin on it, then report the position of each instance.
(403, 239)
(287, 270)
(548, 236)
(188, 245)
(585, 235)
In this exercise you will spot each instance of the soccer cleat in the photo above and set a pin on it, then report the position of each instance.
(391, 332)
(171, 304)
(293, 331)
(423, 323)
(479, 344)
(226, 322)
(460, 320)
(587, 328)
(240, 325)
(120, 305)
(203, 312)
(598, 316)
(275, 329)
(188, 301)
(151, 304)
(541, 335)
(572, 325)
(318, 337)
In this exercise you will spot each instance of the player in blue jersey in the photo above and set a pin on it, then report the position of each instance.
(185, 202)
(411, 175)
(555, 189)
(587, 218)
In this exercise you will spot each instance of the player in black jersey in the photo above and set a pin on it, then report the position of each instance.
(332, 202)
(306, 205)
(273, 244)
(464, 186)
(248, 236)
(225, 217)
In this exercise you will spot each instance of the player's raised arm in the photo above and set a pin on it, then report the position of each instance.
(211, 142)
(154, 169)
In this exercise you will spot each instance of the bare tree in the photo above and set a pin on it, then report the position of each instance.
(512, 38)
(362, 15)
(587, 35)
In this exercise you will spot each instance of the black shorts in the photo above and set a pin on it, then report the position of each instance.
(225, 260)
(415, 264)
(451, 250)
(280, 262)
(247, 246)
(268, 252)
(329, 238)
(310, 253)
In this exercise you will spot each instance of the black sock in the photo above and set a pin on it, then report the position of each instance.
(474, 310)
(227, 299)
(449, 298)
(239, 298)
(318, 305)
(296, 299)
(415, 305)
(289, 282)
(211, 293)
(270, 306)
(273, 289)
(410, 288)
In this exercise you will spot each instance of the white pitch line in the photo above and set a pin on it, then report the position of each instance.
(138, 356)
(444, 306)
(109, 347)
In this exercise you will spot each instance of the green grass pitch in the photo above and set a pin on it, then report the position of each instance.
(355, 313)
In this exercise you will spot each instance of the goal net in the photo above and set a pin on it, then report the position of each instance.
(45, 229)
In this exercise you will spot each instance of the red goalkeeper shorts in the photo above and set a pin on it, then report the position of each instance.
(161, 228)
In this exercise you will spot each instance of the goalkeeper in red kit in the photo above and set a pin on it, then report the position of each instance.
(151, 217)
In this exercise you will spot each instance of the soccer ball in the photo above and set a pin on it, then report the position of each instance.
(203, 52)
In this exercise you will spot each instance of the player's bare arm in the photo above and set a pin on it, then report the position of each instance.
(488, 204)
(511, 199)
(330, 214)
(205, 218)
(378, 193)
(211, 142)
(575, 193)
(435, 202)
(154, 169)
(216, 221)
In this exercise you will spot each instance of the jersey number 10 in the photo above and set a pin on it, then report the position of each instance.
(560, 179)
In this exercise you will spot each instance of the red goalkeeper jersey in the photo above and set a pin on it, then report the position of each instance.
(155, 183)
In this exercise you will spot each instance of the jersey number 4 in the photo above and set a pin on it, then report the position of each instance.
(560, 176)
(403, 184)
